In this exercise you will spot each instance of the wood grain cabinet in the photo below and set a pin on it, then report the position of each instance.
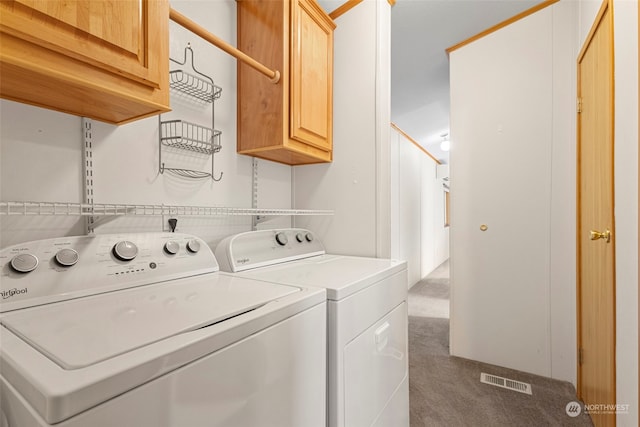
(289, 122)
(103, 59)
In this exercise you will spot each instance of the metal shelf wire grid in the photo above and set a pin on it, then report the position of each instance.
(189, 136)
(82, 209)
(194, 86)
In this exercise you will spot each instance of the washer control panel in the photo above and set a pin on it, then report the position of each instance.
(260, 248)
(50, 270)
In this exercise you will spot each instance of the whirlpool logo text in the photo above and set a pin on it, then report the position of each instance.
(12, 292)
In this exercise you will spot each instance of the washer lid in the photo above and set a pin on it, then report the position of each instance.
(82, 332)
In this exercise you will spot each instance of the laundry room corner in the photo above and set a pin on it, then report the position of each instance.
(45, 154)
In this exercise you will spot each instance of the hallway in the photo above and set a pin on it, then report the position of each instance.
(446, 391)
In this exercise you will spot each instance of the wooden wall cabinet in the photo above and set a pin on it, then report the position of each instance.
(289, 122)
(103, 59)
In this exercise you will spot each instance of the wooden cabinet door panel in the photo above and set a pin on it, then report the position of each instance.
(311, 76)
(289, 122)
(113, 35)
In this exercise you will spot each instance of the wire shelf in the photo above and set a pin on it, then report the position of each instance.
(194, 86)
(191, 137)
(83, 209)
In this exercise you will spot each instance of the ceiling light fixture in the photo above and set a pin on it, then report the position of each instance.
(445, 145)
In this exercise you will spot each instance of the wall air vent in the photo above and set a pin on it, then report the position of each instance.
(505, 383)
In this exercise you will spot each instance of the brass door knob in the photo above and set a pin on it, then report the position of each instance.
(595, 235)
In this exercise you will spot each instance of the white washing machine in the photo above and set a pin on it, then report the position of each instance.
(141, 330)
(367, 318)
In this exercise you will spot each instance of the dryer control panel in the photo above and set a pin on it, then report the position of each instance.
(50, 270)
(260, 248)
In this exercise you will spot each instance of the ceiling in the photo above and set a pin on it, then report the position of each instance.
(421, 30)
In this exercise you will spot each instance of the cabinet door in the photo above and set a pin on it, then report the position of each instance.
(113, 35)
(311, 75)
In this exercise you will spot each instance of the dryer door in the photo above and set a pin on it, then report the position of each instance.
(375, 370)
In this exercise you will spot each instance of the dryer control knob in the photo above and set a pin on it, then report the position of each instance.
(125, 250)
(282, 238)
(309, 237)
(24, 263)
(300, 237)
(66, 257)
(193, 246)
(172, 247)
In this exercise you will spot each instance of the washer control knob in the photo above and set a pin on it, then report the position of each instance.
(282, 239)
(300, 237)
(24, 263)
(125, 250)
(193, 246)
(309, 237)
(66, 257)
(171, 247)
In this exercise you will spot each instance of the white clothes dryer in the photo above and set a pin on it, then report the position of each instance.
(141, 330)
(367, 318)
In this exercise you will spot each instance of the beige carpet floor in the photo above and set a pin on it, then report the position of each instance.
(446, 391)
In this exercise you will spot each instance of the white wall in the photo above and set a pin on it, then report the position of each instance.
(409, 219)
(434, 234)
(41, 153)
(562, 232)
(419, 235)
(511, 142)
(354, 185)
(626, 206)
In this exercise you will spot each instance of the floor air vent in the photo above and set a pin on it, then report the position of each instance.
(505, 383)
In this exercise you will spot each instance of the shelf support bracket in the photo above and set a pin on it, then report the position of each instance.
(87, 172)
(254, 193)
